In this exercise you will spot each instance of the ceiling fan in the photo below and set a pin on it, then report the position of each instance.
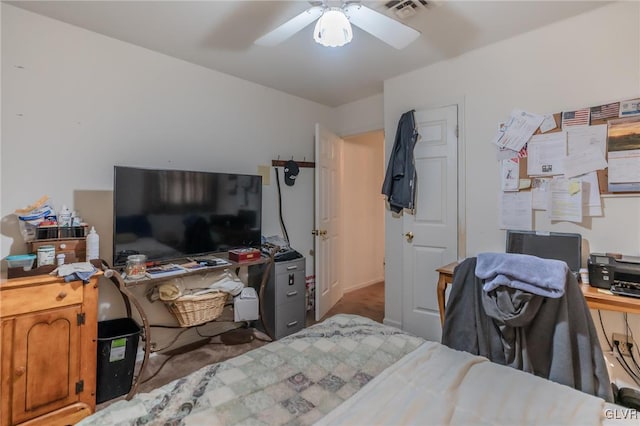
(333, 26)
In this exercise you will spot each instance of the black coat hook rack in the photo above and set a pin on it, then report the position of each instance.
(303, 163)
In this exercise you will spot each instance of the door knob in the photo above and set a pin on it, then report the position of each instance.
(409, 236)
(20, 371)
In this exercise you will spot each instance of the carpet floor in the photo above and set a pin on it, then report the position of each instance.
(166, 367)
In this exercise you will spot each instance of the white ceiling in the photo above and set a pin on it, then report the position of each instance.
(220, 34)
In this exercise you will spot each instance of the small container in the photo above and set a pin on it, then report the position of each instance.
(60, 259)
(21, 260)
(46, 255)
(136, 266)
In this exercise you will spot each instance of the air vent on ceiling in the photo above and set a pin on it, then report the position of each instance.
(405, 8)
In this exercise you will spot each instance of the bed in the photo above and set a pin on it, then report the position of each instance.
(352, 370)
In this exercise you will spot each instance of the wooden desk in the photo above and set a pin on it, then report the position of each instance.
(444, 279)
(596, 299)
(601, 299)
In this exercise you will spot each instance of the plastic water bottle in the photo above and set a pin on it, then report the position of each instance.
(93, 245)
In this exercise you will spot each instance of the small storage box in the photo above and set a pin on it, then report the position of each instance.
(24, 261)
(240, 255)
(245, 305)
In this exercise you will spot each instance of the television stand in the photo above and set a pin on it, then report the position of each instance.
(124, 287)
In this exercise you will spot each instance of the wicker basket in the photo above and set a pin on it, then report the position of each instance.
(196, 310)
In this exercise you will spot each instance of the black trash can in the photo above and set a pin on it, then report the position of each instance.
(117, 348)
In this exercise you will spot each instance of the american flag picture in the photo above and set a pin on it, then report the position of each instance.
(605, 111)
(523, 152)
(579, 117)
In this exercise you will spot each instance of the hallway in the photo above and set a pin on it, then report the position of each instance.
(367, 302)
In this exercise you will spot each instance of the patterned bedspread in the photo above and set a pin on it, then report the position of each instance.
(295, 380)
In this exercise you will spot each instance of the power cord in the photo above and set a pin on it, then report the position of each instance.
(632, 343)
(630, 334)
(158, 370)
(625, 365)
(633, 358)
(284, 228)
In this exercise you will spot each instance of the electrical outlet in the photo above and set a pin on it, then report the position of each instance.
(624, 343)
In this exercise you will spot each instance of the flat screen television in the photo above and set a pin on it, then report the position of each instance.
(173, 214)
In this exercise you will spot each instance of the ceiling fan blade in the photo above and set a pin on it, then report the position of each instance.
(381, 26)
(290, 27)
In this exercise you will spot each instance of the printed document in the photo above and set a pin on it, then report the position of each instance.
(518, 130)
(515, 210)
(549, 123)
(540, 193)
(591, 202)
(510, 174)
(546, 154)
(624, 166)
(586, 147)
(566, 200)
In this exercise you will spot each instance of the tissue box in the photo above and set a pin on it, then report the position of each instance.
(245, 305)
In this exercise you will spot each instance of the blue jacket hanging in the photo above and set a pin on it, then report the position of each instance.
(400, 179)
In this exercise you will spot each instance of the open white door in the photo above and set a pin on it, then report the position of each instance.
(327, 230)
(431, 234)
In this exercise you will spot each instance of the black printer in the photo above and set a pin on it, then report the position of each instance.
(620, 274)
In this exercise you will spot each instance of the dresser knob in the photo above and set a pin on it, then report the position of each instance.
(62, 295)
(20, 371)
(63, 246)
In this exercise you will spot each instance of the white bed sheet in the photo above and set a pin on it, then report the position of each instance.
(441, 386)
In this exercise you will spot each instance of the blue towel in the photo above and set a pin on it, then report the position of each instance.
(79, 276)
(544, 277)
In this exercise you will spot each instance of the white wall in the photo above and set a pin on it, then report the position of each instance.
(364, 115)
(583, 61)
(76, 103)
(363, 210)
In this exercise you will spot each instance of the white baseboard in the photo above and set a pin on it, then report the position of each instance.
(392, 323)
(364, 284)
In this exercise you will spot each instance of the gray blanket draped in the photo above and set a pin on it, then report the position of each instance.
(554, 338)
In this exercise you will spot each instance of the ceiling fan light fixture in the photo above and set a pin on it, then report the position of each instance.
(333, 29)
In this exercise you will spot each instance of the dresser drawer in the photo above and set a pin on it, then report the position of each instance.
(290, 266)
(40, 297)
(290, 287)
(290, 318)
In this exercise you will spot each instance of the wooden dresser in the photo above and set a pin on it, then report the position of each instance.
(48, 347)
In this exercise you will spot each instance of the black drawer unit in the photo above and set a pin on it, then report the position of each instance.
(284, 298)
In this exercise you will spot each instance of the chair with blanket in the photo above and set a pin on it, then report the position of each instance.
(528, 313)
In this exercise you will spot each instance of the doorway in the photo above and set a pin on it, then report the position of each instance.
(362, 209)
